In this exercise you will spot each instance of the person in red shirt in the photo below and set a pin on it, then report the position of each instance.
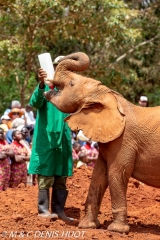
(5, 167)
(91, 152)
(18, 166)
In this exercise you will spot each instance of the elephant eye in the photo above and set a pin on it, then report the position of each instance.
(71, 83)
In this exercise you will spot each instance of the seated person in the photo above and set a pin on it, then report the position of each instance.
(91, 152)
(76, 147)
(83, 161)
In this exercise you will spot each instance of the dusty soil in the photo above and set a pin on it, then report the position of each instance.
(18, 213)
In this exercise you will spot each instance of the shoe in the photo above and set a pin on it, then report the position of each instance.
(59, 197)
(43, 205)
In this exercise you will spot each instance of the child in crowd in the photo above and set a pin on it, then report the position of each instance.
(31, 178)
(76, 147)
(5, 169)
(15, 123)
(91, 152)
(83, 161)
(18, 166)
(25, 134)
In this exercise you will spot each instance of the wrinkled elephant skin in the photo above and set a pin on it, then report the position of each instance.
(128, 137)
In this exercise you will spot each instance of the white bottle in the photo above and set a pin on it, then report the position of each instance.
(45, 61)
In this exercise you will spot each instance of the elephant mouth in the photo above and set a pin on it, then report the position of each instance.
(50, 94)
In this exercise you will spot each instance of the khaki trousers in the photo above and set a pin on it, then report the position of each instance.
(56, 182)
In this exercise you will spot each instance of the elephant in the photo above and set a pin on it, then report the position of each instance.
(128, 137)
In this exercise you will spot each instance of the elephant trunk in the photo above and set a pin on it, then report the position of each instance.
(74, 62)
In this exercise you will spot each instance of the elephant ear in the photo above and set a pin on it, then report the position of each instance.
(101, 121)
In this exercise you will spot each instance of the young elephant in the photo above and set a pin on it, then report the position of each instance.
(128, 137)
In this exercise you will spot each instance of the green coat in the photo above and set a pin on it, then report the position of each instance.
(51, 147)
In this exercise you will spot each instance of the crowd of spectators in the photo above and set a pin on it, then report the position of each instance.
(16, 132)
(84, 153)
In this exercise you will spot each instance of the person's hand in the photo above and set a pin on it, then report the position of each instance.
(23, 111)
(42, 75)
(19, 158)
(10, 153)
(26, 158)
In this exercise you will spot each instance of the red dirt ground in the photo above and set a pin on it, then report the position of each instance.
(18, 213)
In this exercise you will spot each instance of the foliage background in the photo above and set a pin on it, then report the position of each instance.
(120, 37)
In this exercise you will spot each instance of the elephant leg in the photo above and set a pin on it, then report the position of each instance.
(118, 188)
(97, 188)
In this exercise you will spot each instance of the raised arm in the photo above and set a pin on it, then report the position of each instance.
(37, 98)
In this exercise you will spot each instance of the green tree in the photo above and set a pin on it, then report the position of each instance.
(142, 59)
(105, 30)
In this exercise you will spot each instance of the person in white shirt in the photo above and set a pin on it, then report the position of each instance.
(30, 119)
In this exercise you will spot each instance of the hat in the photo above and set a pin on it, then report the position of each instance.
(20, 127)
(15, 104)
(4, 127)
(15, 110)
(6, 117)
(143, 99)
(57, 59)
(18, 122)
